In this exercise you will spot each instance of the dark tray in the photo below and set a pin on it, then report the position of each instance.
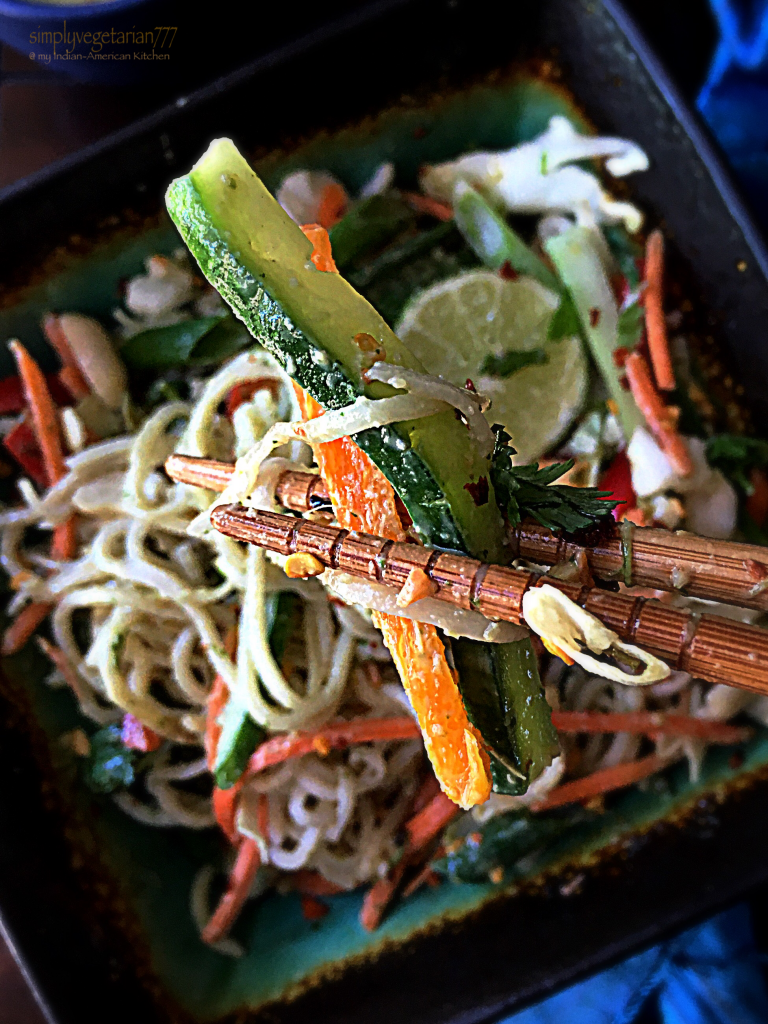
(507, 953)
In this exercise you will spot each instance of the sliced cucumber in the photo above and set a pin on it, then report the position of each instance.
(259, 260)
(240, 735)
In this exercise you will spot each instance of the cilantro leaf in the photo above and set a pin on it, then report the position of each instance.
(110, 765)
(736, 456)
(565, 321)
(630, 325)
(529, 491)
(511, 361)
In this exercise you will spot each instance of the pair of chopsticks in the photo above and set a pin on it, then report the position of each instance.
(709, 647)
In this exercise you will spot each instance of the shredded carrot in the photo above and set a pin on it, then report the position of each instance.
(67, 669)
(425, 204)
(427, 876)
(417, 586)
(217, 701)
(64, 542)
(333, 204)
(430, 821)
(313, 909)
(45, 418)
(363, 499)
(603, 781)
(238, 888)
(558, 652)
(381, 894)
(655, 324)
(24, 625)
(331, 737)
(322, 257)
(312, 883)
(425, 794)
(649, 723)
(657, 415)
(225, 806)
(70, 375)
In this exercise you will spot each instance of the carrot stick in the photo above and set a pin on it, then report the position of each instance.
(71, 375)
(217, 700)
(312, 883)
(655, 325)
(331, 737)
(24, 625)
(238, 887)
(321, 256)
(657, 415)
(649, 723)
(333, 204)
(603, 781)
(425, 204)
(64, 543)
(429, 822)
(225, 805)
(427, 876)
(63, 664)
(44, 415)
(382, 892)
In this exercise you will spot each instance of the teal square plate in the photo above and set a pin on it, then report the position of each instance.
(97, 905)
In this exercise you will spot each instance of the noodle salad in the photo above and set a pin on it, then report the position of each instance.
(332, 729)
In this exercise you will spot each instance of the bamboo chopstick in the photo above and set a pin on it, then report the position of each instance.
(724, 571)
(712, 648)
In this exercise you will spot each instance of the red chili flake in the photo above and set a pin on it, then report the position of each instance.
(313, 909)
(594, 316)
(736, 760)
(478, 491)
(470, 386)
(620, 357)
(508, 272)
(137, 736)
(419, 132)
(624, 382)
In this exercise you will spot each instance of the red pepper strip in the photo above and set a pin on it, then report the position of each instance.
(245, 391)
(313, 909)
(23, 626)
(603, 781)
(331, 737)
(22, 444)
(425, 204)
(618, 480)
(429, 822)
(649, 723)
(237, 891)
(137, 736)
(12, 393)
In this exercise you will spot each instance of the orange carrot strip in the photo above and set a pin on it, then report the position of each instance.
(381, 894)
(321, 256)
(312, 883)
(558, 652)
(73, 378)
(333, 204)
(649, 723)
(63, 664)
(603, 781)
(44, 415)
(331, 737)
(24, 625)
(657, 415)
(427, 876)
(236, 894)
(64, 542)
(429, 822)
(217, 700)
(655, 324)
(225, 805)
(363, 499)
(425, 204)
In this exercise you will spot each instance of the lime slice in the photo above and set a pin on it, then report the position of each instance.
(455, 325)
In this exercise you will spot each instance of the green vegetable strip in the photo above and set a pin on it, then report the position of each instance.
(240, 735)
(368, 225)
(495, 242)
(577, 259)
(524, 706)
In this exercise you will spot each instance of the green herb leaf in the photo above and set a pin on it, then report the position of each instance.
(625, 251)
(565, 322)
(529, 491)
(735, 456)
(206, 340)
(110, 765)
(630, 325)
(368, 225)
(512, 361)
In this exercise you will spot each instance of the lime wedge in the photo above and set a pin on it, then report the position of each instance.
(455, 325)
